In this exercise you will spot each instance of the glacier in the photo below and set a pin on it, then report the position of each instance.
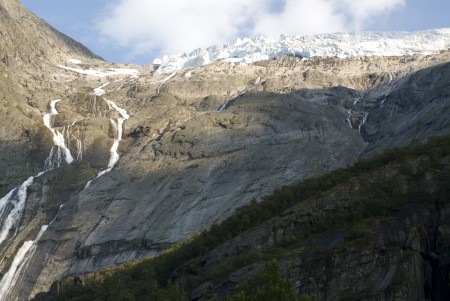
(341, 45)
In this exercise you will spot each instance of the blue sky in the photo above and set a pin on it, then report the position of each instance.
(138, 31)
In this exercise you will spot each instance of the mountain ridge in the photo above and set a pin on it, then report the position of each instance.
(43, 36)
(186, 175)
(137, 160)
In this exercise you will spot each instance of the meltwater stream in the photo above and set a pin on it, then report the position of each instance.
(13, 204)
(11, 208)
(59, 149)
(21, 260)
(118, 130)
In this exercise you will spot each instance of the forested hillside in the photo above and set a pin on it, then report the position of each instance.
(378, 230)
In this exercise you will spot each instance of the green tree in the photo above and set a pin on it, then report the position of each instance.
(267, 285)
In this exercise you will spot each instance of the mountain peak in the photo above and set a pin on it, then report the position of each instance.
(28, 40)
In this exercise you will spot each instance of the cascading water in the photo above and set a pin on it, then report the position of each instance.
(226, 105)
(21, 260)
(59, 150)
(383, 100)
(349, 118)
(13, 204)
(118, 130)
(118, 126)
(67, 132)
(363, 121)
(79, 146)
(350, 113)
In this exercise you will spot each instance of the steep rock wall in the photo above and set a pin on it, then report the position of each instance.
(184, 163)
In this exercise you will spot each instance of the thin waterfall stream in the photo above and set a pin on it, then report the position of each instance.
(13, 204)
(118, 130)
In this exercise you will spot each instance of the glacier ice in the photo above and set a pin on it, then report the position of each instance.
(342, 45)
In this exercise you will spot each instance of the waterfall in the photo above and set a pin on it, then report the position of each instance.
(226, 105)
(16, 199)
(363, 121)
(59, 149)
(118, 129)
(13, 204)
(21, 260)
(349, 118)
(382, 101)
(67, 132)
(100, 91)
(118, 126)
(79, 146)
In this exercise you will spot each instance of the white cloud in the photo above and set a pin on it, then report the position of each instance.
(301, 17)
(360, 11)
(147, 27)
(174, 26)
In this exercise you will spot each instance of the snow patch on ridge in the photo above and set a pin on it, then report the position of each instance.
(75, 61)
(99, 73)
(340, 45)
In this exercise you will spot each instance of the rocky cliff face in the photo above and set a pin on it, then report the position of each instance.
(30, 51)
(185, 164)
(198, 143)
(408, 109)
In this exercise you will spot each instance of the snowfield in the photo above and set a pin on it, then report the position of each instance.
(104, 73)
(340, 45)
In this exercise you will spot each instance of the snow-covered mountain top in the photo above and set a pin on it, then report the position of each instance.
(326, 45)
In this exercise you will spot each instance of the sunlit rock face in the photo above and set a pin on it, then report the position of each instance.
(127, 161)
